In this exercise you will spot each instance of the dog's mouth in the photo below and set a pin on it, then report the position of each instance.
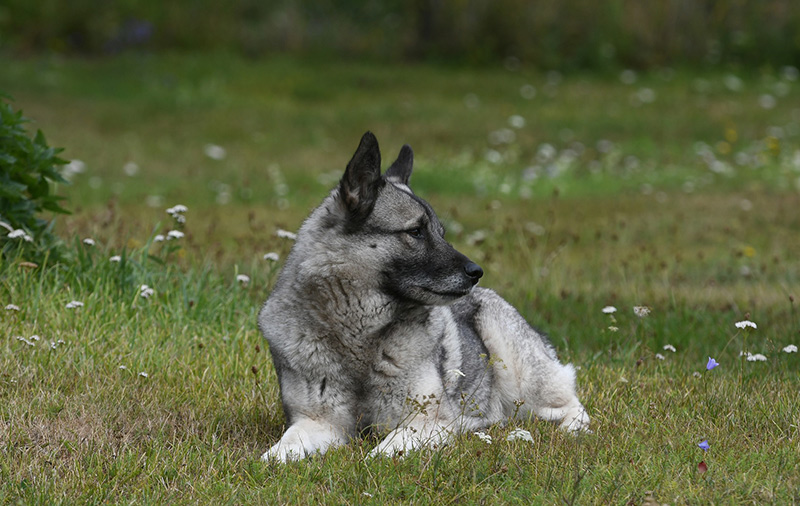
(451, 294)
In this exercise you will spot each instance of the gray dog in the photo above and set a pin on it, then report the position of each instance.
(375, 322)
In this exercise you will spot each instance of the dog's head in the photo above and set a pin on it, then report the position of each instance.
(395, 234)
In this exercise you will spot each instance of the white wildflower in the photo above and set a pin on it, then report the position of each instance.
(520, 434)
(366, 494)
(271, 256)
(733, 82)
(244, 279)
(35, 337)
(177, 213)
(285, 234)
(145, 292)
(516, 121)
(745, 323)
(12, 307)
(660, 356)
(122, 367)
(131, 169)
(477, 237)
(215, 152)
(74, 304)
(174, 234)
(612, 328)
(20, 234)
(790, 349)
(89, 241)
(641, 311)
(159, 238)
(609, 310)
(29, 343)
(486, 438)
(154, 201)
(628, 76)
(758, 357)
(646, 95)
(669, 347)
(143, 374)
(697, 374)
(74, 167)
(115, 258)
(767, 101)
(177, 209)
(527, 91)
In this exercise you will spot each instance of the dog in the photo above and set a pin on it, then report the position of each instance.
(376, 323)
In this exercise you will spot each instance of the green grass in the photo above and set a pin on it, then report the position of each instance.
(702, 249)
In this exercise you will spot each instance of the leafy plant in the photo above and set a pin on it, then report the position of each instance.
(28, 166)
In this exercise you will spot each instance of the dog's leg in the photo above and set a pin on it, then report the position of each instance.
(304, 438)
(548, 392)
(527, 369)
(556, 401)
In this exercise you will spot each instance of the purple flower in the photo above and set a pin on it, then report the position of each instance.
(711, 364)
(704, 445)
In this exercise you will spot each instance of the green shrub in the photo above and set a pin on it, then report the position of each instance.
(28, 167)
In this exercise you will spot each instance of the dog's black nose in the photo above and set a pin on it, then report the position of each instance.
(474, 271)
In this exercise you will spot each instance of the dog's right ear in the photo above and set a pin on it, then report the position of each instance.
(400, 170)
(362, 180)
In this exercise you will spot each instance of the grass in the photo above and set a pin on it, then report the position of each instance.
(702, 248)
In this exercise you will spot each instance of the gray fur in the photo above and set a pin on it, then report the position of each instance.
(375, 322)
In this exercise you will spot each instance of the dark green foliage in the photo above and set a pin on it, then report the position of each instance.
(564, 34)
(28, 167)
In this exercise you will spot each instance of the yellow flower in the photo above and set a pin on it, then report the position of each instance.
(773, 144)
(749, 251)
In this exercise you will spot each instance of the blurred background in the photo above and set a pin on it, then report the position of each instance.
(617, 146)
(567, 34)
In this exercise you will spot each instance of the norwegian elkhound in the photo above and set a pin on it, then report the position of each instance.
(375, 322)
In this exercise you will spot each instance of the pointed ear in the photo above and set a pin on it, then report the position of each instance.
(400, 171)
(362, 180)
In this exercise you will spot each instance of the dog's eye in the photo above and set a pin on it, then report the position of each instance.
(416, 233)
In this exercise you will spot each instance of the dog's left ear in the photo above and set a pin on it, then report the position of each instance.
(400, 171)
(362, 181)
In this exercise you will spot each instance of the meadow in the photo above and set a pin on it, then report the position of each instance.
(672, 190)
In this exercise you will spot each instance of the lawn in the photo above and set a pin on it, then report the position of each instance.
(672, 189)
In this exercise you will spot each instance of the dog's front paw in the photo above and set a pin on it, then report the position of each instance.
(406, 439)
(394, 447)
(284, 452)
(303, 439)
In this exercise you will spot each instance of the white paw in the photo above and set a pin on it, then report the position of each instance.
(576, 422)
(284, 452)
(407, 439)
(303, 439)
(395, 447)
